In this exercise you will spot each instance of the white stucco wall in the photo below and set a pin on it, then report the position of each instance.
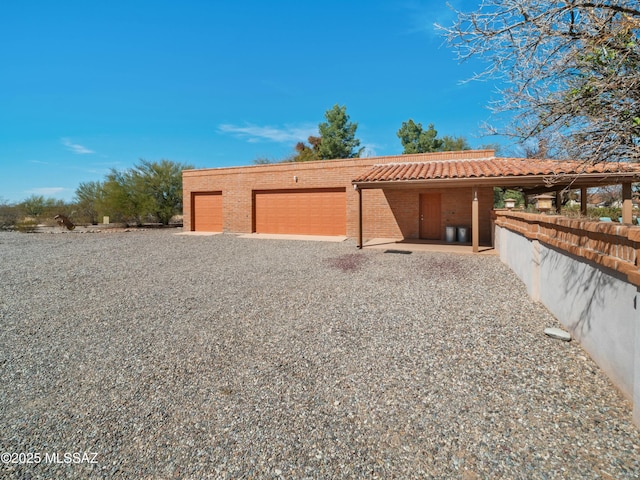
(517, 249)
(597, 305)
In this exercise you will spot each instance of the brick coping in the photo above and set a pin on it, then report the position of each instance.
(611, 245)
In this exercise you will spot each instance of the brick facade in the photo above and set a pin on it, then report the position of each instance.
(387, 213)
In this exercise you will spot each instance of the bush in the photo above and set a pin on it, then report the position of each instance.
(8, 216)
(594, 213)
(27, 226)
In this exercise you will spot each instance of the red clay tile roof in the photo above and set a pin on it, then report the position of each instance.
(487, 168)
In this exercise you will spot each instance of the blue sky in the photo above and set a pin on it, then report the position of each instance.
(86, 86)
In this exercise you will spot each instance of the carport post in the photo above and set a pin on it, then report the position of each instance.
(475, 223)
(583, 201)
(359, 216)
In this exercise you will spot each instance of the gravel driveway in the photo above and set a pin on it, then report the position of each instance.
(152, 355)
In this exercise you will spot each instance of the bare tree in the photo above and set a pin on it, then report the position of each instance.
(572, 70)
(608, 195)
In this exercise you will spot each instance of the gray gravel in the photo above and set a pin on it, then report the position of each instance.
(173, 356)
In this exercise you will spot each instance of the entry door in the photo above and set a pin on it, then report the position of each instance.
(430, 226)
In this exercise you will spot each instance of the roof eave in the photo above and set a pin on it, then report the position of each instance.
(550, 181)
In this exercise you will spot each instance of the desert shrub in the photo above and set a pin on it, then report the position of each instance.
(599, 212)
(593, 213)
(8, 216)
(28, 225)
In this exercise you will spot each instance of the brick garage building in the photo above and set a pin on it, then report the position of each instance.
(395, 197)
(319, 198)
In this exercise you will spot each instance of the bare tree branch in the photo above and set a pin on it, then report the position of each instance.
(572, 68)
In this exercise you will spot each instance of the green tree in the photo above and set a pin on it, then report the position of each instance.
(89, 199)
(501, 194)
(415, 139)
(148, 191)
(336, 140)
(307, 153)
(34, 206)
(124, 199)
(161, 182)
(453, 144)
(338, 135)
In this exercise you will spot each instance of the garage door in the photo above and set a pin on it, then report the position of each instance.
(302, 212)
(206, 211)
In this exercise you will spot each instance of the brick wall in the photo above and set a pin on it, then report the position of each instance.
(397, 213)
(612, 245)
(389, 213)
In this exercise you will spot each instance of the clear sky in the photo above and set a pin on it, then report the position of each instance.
(87, 86)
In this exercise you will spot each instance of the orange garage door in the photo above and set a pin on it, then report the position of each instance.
(321, 211)
(206, 210)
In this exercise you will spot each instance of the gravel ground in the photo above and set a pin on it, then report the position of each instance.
(153, 355)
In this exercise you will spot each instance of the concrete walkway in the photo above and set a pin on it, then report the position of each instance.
(308, 238)
(416, 245)
(410, 245)
(199, 234)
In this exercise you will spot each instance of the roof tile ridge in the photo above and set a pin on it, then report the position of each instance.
(440, 160)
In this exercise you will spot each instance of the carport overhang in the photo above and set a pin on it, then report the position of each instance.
(528, 184)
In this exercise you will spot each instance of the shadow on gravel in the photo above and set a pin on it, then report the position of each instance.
(349, 262)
